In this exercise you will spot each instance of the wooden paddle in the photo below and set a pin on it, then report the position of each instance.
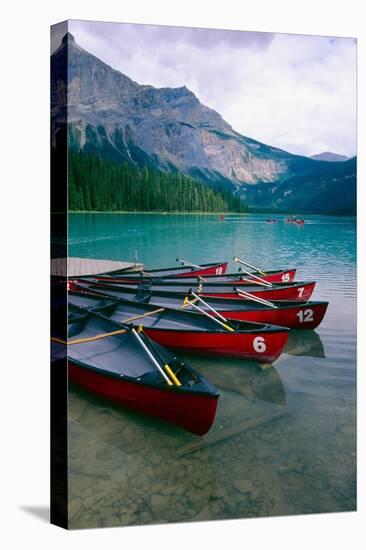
(263, 281)
(250, 296)
(236, 259)
(143, 315)
(225, 325)
(184, 262)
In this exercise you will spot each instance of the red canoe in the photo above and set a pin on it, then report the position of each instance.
(217, 268)
(301, 292)
(120, 368)
(302, 315)
(294, 291)
(191, 332)
(264, 344)
(280, 276)
(293, 315)
(192, 411)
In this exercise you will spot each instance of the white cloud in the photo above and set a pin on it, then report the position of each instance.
(291, 91)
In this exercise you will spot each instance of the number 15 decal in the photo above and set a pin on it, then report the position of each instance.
(285, 277)
(305, 316)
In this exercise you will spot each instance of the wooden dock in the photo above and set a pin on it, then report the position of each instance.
(74, 267)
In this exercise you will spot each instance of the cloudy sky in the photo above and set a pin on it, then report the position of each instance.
(295, 92)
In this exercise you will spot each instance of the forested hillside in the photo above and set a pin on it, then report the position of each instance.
(96, 184)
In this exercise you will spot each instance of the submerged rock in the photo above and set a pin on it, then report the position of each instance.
(244, 486)
(158, 504)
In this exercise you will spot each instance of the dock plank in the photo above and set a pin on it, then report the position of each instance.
(73, 267)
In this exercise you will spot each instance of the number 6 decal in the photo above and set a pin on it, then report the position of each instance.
(259, 344)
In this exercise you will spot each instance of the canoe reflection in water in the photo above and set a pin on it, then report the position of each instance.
(250, 398)
(246, 379)
(305, 342)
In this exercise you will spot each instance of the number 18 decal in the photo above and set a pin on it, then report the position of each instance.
(259, 344)
(305, 316)
(219, 271)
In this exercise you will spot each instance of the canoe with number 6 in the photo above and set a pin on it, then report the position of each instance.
(191, 332)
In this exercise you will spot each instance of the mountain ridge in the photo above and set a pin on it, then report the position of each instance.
(329, 156)
(111, 115)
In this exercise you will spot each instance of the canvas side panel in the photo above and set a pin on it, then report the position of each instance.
(58, 274)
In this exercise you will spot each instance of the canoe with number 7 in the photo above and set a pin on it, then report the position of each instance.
(299, 291)
(294, 291)
(191, 332)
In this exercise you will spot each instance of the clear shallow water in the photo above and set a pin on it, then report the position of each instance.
(299, 458)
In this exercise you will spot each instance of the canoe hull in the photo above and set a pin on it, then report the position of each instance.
(219, 275)
(214, 274)
(305, 317)
(218, 269)
(264, 347)
(191, 411)
(277, 277)
(299, 293)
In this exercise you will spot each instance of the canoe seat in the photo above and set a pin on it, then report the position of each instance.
(76, 327)
(76, 317)
(143, 294)
(107, 306)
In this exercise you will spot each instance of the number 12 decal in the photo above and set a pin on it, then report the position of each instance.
(305, 316)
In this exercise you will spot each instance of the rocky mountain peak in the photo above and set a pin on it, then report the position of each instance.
(169, 129)
(68, 38)
(329, 157)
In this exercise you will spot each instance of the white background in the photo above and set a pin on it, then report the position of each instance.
(24, 379)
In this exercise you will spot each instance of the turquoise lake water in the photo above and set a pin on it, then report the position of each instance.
(127, 469)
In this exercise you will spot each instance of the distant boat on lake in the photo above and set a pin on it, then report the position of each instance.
(293, 219)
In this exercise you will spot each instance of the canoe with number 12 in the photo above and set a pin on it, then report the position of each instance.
(291, 314)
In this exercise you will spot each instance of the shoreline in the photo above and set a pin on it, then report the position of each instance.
(163, 213)
(278, 214)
